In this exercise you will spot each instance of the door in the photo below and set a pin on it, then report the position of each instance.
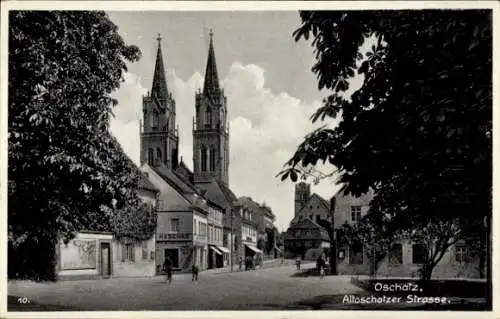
(173, 254)
(105, 260)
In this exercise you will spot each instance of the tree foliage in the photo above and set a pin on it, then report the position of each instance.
(66, 172)
(418, 131)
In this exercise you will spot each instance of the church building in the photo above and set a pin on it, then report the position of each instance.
(196, 207)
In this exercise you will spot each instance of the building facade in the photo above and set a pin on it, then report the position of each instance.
(307, 237)
(182, 223)
(93, 255)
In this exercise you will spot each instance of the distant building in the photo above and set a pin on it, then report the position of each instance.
(305, 237)
(249, 214)
(263, 218)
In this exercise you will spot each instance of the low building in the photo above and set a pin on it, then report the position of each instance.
(305, 239)
(404, 258)
(100, 255)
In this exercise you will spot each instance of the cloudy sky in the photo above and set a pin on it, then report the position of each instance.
(266, 75)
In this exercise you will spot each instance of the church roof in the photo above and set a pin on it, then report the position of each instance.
(159, 89)
(218, 193)
(174, 180)
(145, 184)
(185, 172)
(211, 83)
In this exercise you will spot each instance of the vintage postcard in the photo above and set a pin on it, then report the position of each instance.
(301, 159)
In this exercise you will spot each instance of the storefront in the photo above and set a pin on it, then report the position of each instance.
(226, 253)
(215, 257)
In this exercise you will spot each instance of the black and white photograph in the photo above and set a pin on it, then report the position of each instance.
(163, 156)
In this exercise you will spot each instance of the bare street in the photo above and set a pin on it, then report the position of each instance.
(263, 289)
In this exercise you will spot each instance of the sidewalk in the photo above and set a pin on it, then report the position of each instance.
(270, 263)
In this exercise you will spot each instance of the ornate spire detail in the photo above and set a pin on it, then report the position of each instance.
(211, 84)
(159, 89)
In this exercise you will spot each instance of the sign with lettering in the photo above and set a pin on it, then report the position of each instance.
(79, 254)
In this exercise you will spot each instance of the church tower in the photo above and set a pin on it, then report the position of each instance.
(302, 195)
(210, 127)
(159, 136)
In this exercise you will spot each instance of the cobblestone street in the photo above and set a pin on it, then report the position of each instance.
(263, 289)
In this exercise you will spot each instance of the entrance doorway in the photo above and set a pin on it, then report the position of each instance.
(173, 255)
(105, 260)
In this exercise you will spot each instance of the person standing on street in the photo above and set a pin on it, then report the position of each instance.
(195, 270)
(321, 266)
(167, 267)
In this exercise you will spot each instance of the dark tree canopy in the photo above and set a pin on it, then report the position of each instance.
(418, 131)
(66, 171)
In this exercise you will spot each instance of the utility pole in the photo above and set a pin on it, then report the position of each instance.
(232, 239)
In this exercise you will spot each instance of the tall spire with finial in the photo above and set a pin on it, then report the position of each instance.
(211, 84)
(159, 89)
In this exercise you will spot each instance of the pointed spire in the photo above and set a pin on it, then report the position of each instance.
(211, 84)
(159, 89)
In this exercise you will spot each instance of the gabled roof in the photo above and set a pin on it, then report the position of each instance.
(307, 223)
(318, 198)
(174, 180)
(218, 193)
(145, 184)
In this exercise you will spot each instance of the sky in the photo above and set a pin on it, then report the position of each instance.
(266, 77)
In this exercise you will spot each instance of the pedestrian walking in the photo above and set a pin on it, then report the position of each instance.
(297, 263)
(167, 268)
(241, 263)
(320, 263)
(195, 270)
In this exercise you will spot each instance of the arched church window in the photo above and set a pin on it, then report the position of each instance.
(212, 159)
(150, 157)
(203, 159)
(208, 117)
(158, 156)
(155, 120)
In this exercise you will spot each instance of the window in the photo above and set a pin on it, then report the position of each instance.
(419, 253)
(318, 218)
(208, 118)
(203, 159)
(158, 156)
(128, 252)
(155, 120)
(355, 213)
(356, 254)
(461, 253)
(150, 157)
(396, 254)
(174, 225)
(212, 159)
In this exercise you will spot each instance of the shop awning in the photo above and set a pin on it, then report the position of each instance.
(255, 249)
(224, 249)
(216, 250)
